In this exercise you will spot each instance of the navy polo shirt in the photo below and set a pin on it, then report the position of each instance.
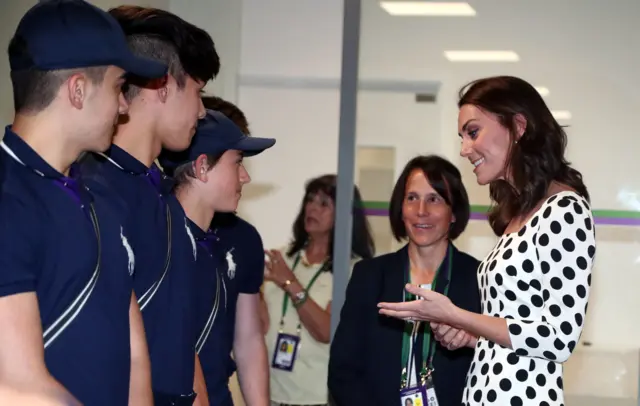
(49, 245)
(239, 247)
(164, 279)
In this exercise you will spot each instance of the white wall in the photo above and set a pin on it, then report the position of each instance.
(222, 20)
(12, 11)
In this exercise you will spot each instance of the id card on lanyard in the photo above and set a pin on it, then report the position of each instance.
(422, 391)
(287, 345)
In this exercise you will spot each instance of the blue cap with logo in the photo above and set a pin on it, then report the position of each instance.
(215, 134)
(72, 34)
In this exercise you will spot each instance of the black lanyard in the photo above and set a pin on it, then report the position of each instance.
(410, 333)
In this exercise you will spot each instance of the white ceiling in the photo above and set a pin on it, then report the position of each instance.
(554, 39)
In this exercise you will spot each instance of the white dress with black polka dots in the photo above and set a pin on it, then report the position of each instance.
(537, 279)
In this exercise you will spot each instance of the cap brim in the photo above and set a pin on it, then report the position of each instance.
(143, 67)
(251, 146)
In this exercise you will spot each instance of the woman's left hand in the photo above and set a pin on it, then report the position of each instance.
(434, 308)
(276, 270)
(452, 338)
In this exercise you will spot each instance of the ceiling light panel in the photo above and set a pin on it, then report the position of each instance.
(481, 56)
(561, 114)
(544, 92)
(431, 9)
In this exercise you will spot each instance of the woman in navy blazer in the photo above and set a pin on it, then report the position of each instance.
(372, 356)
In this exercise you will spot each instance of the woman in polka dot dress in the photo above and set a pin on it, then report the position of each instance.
(535, 283)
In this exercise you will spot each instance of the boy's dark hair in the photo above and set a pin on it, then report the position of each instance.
(445, 179)
(34, 90)
(229, 109)
(185, 172)
(159, 34)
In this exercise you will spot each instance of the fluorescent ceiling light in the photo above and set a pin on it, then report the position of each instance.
(423, 8)
(544, 91)
(481, 56)
(561, 114)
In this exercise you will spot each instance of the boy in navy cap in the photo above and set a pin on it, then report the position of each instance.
(208, 179)
(70, 324)
(244, 333)
(162, 114)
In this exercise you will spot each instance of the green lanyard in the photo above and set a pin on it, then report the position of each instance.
(285, 301)
(428, 345)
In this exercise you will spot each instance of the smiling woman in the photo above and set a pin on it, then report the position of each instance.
(516, 145)
(387, 361)
(535, 282)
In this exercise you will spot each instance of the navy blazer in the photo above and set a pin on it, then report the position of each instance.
(365, 362)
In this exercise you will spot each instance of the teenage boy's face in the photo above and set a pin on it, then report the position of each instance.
(181, 110)
(102, 104)
(228, 177)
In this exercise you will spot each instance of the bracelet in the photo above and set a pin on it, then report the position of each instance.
(286, 283)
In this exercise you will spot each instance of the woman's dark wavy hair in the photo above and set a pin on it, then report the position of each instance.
(362, 244)
(536, 160)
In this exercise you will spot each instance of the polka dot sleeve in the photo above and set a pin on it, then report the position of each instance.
(565, 248)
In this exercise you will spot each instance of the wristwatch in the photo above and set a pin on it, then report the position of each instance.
(299, 298)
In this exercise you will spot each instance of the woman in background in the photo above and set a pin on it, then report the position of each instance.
(297, 296)
(535, 282)
(375, 359)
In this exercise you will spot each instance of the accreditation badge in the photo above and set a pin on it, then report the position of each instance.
(432, 399)
(422, 395)
(285, 352)
(415, 396)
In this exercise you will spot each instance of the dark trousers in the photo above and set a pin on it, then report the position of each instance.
(164, 399)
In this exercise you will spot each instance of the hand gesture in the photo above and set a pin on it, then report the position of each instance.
(452, 338)
(434, 307)
(276, 270)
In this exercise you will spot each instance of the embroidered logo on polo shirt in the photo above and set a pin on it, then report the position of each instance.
(193, 240)
(132, 259)
(231, 265)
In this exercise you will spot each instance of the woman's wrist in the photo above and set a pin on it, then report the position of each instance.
(284, 285)
(456, 317)
(292, 287)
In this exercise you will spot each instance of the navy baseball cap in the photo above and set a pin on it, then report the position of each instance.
(215, 134)
(72, 34)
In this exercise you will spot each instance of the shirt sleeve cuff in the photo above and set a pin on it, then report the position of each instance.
(17, 288)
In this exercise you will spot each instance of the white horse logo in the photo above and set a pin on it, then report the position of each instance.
(132, 259)
(193, 240)
(231, 265)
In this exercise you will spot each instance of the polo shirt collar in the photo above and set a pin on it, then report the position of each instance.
(23, 153)
(19, 150)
